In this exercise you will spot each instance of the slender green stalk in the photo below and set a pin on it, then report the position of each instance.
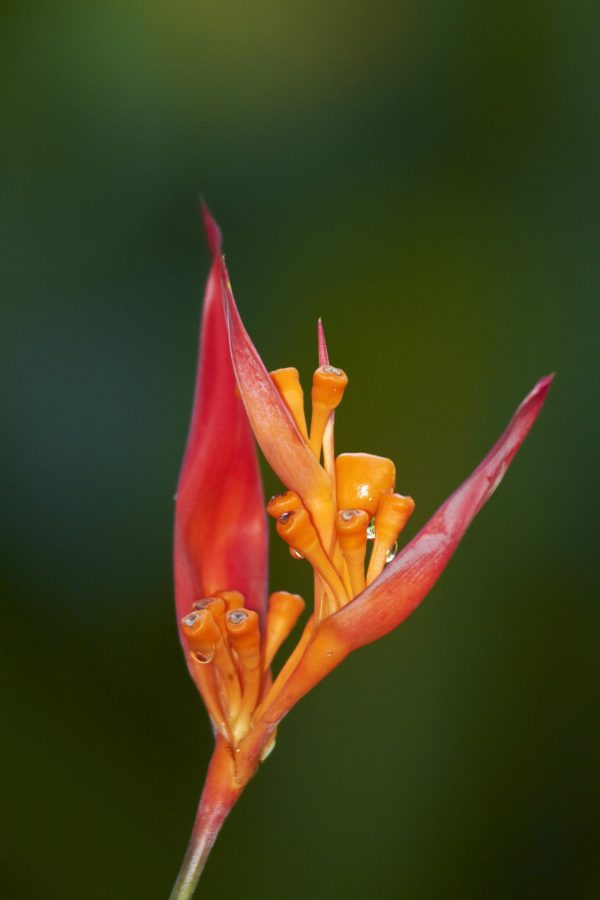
(219, 795)
(201, 842)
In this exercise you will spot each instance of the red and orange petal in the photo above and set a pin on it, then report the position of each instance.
(220, 522)
(285, 449)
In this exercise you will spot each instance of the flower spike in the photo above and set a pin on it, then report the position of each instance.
(343, 518)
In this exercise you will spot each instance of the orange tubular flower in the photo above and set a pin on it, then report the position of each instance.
(329, 514)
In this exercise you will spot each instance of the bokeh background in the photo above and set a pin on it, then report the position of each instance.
(425, 177)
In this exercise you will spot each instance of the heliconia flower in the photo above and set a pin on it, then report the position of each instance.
(332, 510)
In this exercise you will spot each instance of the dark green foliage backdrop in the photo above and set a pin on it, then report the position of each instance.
(425, 177)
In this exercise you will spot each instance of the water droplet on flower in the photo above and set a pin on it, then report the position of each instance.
(295, 554)
(331, 370)
(285, 517)
(391, 553)
(348, 514)
(329, 653)
(190, 619)
(204, 658)
(371, 530)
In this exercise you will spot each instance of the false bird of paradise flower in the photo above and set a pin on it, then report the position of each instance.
(332, 509)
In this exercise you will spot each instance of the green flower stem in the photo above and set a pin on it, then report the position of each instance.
(220, 793)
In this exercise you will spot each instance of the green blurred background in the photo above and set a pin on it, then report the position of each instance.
(425, 177)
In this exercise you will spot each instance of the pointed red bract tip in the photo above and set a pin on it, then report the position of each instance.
(214, 238)
(323, 352)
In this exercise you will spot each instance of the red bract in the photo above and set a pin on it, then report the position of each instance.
(220, 522)
(328, 515)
